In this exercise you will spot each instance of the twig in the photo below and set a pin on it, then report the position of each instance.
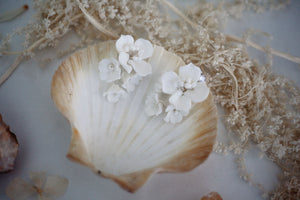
(11, 14)
(236, 85)
(10, 52)
(258, 47)
(19, 59)
(11, 69)
(97, 25)
(235, 38)
(178, 12)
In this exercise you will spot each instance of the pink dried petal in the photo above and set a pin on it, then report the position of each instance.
(18, 189)
(56, 186)
(37, 178)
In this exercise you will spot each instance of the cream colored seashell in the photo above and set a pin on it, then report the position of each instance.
(119, 141)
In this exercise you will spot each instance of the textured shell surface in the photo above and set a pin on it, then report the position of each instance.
(119, 140)
(9, 148)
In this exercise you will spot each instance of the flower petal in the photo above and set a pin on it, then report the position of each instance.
(37, 178)
(56, 186)
(190, 72)
(153, 106)
(173, 116)
(109, 70)
(18, 189)
(131, 81)
(124, 43)
(123, 59)
(145, 48)
(114, 93)
(199, 93)
(170, 82)
(141, 67)
(180, 101)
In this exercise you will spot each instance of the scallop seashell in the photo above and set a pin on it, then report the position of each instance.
(119, 141)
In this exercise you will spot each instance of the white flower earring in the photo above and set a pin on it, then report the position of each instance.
(132, 57)
(182, 91)
(132, 54)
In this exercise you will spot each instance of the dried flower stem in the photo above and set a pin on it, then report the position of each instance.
(11, 69)
(236, 85)
(9, 15)
(10, 52)
(258, 47)
(179, 13)
(235, 38)
(19, 59)
(97, 25)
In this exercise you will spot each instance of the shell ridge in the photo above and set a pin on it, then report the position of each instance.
(121, 143)
(135, 107)
(158, 55)
(190, 120)
(98, 137)
(138, 113)
(104, 131)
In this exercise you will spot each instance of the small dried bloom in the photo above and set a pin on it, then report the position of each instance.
(153, 105)
(114, 93)
(173, 115)
(46, 188)
(109, 70)
(130, 82)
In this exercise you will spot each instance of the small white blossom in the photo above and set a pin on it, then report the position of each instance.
(132, 54)
(44, 187)
(109, 70)
(186, 88)
(171, 82)
(114, 93)
(190, 75)
(181, 101)
(173, 115)
(153, 106)
(131, 81)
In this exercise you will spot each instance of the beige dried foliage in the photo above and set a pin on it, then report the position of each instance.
(261, 109)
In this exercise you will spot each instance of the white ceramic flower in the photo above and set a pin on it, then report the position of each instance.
(153, 106)
(132, 54)
(190, 75)
(181, 101)
(46, 188)
(186, 88)
(131, 81)
(114, 93)
(173, 115)
(171, 82)
(109, 70)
